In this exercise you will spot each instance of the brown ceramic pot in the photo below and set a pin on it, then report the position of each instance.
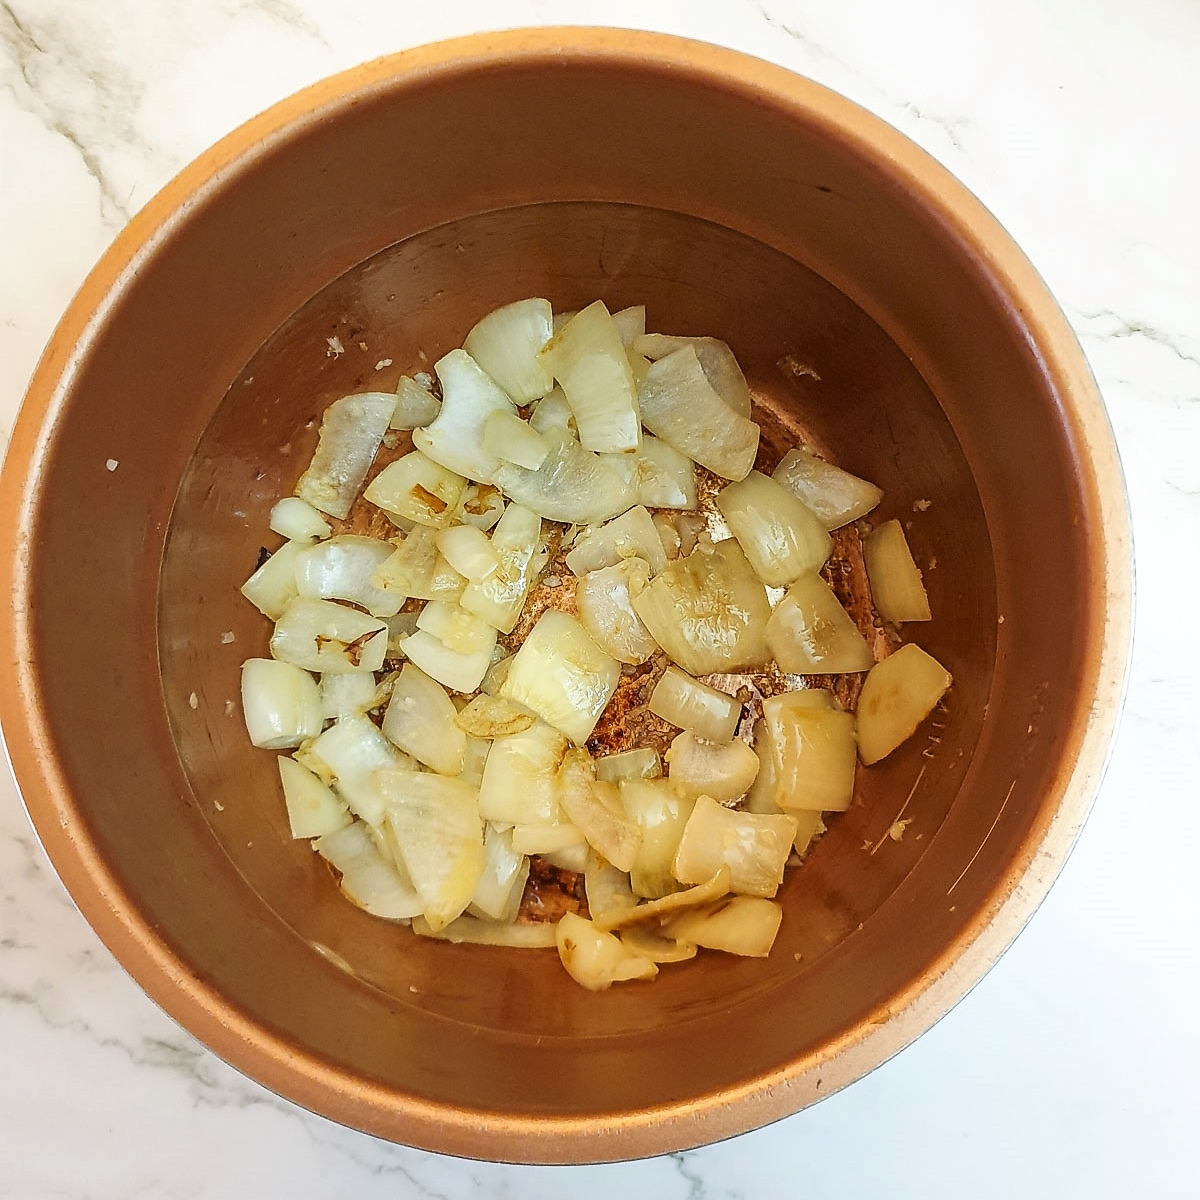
(390, 207)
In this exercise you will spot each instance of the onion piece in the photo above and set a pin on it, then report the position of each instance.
(368, 878)
(553, 412)
(351, 430)
(458, 629)
(655, 946)
(692, 705)
(781, 538)
(436, 825)
(897, 695)
(596, 959)
(653, 913)
(280, 703)
(896, 586)
(708, 611)
(455, 437)
(834, 495)
(548, 840)
(588, 359)
(678, 404)
(346, 694)
(312, 807)
(272, 587)
(630, 535)
(348, 755)
(499, 597)
(498, 893)
(418, 489)
(460, 664)
(572, 485)
(606, 888)
(506, 344)
(415, 405)
(754, 848)
(482, 505)
(745, 925)
(417, 569)
(665, 478)
(520, 777)
(321, 635)
(604, 601)
(640, 763)
(420, 719)
(811, 633)
(698, 768)
(608, 830)
(630, 323)
(469, 552)
(298, 521)
(509, 438)
(813, 751)
(660, 812)
(343, 568)
(562, 675)
(471, 930)
(717, 361)
(493, 716)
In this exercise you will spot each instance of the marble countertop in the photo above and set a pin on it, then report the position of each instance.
(1071, 1070)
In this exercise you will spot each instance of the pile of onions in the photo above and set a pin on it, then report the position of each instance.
(427, 765)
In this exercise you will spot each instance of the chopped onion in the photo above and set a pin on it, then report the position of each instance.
(509, 438)
(661, 812)
(665, 478)
(813, 752)
(417, 569)
(896, 586)
(418, 489)
(346, 694)
(640, 763)
(469, 552)
(692, 705)
(321, 635)
(655, 912)
(273, 586)
(415, 405)
(420, 719)
(506, 343)
(595, 958)
(494, 716)
(717, 361)
(708, 611)
(459, 669)
(553, 412)
(630, 323)
(351, 430)
(897, 695)
(498, 893)
(630, 535)
(744, 925)
(699, 768)
(562, 675)
(754, 848)
(604, 601)
(368, 879)
(349, 754)
(281, 704)
(298, 521)
(520, 777)
(811, 633)
(455, 438)
(834, 495)
(458, 629)
(608, 830)
(482, 505)
(498, 598)
(549, 839)
(781, 538)
(588, 359)
(606, 888)
(312, 807)
(679, 405)
(344, 568)
(655, 946)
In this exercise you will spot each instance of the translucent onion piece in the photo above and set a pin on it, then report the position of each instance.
(497, 673)
(678, 404)
(604, 601)
(455, 438)
(553, 412)
(469, 552)
(506, 342)
(811, 633)
(520, 777)
(896, 586)
(692, 705)
(499, 597)
(897, 695)
(482, 505)
(562, 675)
(298, 521)
(781, 538)
(508, 437)
(343, 568)
(631, 535)
(813, 752)
(608, 831)
(436, 825)
(459, 670)
(660, 812)
(348, 755)
(664, 478)
(567, 858)
(761, 796)
(572, 485)
(744, 925)
(754, 848)
(606, 888)
(415, 405)
(458, 629)
(809, 827)
(597, 959)
(588, 359)
(346, 694)
(474, 759)
(281, 704)
(473, 931)
(420, 719)
(548, 840)
(640, 763)
(653, 913)
(312, 807)
(834, 495)
(630, 323)
(716, 360)
(320, 635)
(498, 893)
(351, 430)
(416, 569)
(708, 611)
(654, 946)
(368, 879)
(699, 768)
(272, 587)
(418, 489)
(494, 716)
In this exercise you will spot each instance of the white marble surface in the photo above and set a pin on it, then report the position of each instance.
(1071, 1071)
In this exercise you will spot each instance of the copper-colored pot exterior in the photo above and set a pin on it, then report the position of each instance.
(731, 197)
